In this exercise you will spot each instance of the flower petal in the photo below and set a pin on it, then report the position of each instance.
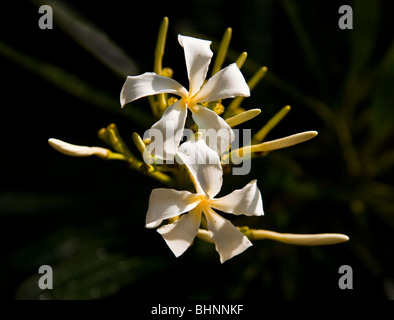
(229, 241)
(180, 234)
(148, 84)
(167, 133)
(204, 165)
(216, 131)
(198, 57)
(227, 83)
(168, 203)
(245, 201)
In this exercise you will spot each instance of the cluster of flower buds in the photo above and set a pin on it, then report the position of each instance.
(191, 160)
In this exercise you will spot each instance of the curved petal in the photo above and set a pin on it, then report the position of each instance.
(168, 203)
(204, 165)
(227, 83)
(198, 57)
(245, 201)
(180, 234)
(229, 241)
(148, 84)
(215, 130)
(167, 133)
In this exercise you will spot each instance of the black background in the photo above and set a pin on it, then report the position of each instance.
(60, 211)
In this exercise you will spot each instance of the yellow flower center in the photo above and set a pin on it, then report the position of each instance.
(204, 203)
(189, 101)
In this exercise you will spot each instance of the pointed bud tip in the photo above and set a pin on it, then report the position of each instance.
(54, 142)
(343, 237)
(331, 238)
(256, 110)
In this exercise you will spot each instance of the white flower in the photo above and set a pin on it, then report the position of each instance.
(206, 172)
(227, 83)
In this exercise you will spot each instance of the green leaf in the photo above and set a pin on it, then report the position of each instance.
(90, 273)
(383, 96)
(362, 44)
(306, 44)
(74, 85)
(91, 38)
(363, 34)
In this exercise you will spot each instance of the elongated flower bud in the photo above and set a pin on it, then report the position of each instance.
(242, 117)
(274, 144)
(300, 239)
(77, 151)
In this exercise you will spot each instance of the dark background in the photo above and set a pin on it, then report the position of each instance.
(85, 216)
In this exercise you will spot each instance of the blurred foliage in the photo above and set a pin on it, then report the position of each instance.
(85, 217)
